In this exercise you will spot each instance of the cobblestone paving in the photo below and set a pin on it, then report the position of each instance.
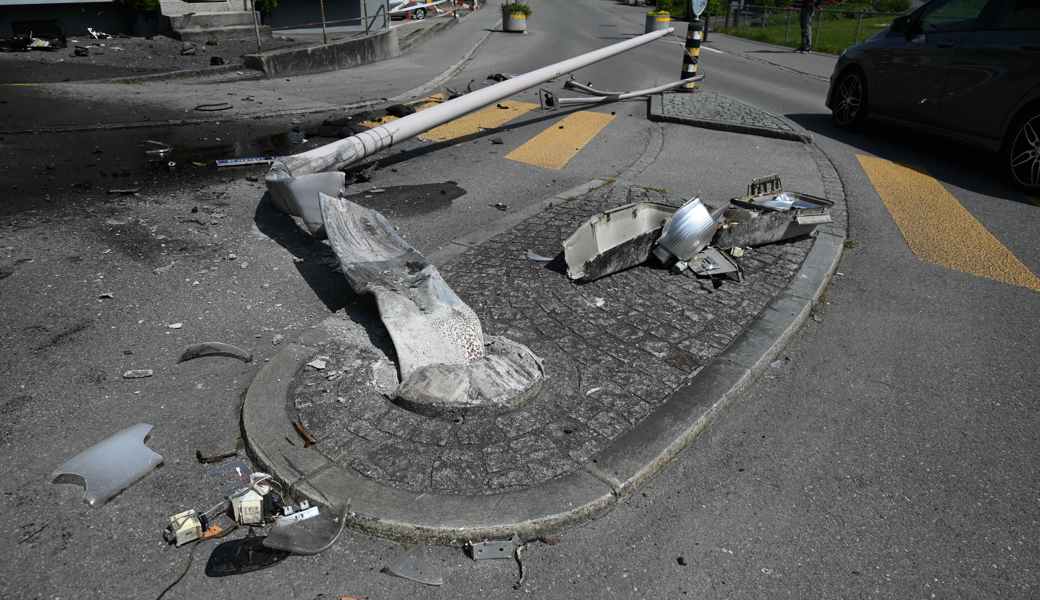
(718, 108)
(614, 350)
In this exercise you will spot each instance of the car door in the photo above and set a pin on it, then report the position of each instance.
(913, 70)
(993, 69)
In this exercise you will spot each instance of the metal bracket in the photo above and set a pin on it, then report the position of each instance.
(546, 99)
(765, 185)
(494, 549)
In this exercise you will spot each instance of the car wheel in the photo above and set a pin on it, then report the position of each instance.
(419, 14)
(850, 99)
(1022, 154)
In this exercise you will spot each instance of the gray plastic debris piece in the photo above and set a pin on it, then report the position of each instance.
(415, 565)
(111, 465)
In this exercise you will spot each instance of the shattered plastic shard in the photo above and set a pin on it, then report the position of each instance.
(415, 565)
(111, 465)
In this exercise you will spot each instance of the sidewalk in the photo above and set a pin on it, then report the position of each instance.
(814, 64)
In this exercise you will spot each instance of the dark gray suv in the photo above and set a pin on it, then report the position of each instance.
(966, 69)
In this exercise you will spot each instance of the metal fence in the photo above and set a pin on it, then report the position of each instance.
(833, 29)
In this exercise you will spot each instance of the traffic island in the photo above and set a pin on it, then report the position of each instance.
(712, 110)
(636, 365)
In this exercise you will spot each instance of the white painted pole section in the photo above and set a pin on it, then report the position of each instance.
(615, 96)
(352, 149)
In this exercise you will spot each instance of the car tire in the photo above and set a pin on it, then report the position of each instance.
(849, 104)
(419, 14)
(1022, 150)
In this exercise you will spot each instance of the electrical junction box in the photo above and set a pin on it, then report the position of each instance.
(248, 507)
(184, 527)
(305, 512)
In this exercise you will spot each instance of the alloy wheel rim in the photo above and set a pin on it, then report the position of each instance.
(850, 98)
(1025, 153)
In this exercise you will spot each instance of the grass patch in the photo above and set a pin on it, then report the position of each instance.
(835, 32)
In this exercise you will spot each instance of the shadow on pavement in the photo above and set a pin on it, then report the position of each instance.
(958, 164)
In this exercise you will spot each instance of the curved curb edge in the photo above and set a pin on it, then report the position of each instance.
(632, 460)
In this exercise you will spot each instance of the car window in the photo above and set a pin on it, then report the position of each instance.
(1018, 14)
(953, 15)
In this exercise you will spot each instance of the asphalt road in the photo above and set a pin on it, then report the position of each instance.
(889, 453)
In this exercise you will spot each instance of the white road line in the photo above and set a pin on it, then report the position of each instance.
(710, 49)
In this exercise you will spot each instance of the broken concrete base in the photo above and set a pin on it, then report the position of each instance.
(506, 378)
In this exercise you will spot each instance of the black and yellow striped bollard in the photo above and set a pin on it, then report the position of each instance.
(692, 53)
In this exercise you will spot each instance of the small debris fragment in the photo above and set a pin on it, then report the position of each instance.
(124, 191)
(232, 256)
(550, 540)
(681, 560)
(188, 49)
(277, 339)
(598, 302)
(214, 349)
(497, 141)
(217, 61)
(81, 51)
(414, 565)
(138, 373)
(105, 296)
(163, 269)
(736, 252)
(175, 325)
(308, 438)
(213, 107)
(318, 364)
(500, 206)
(214, 457)
(533, 257)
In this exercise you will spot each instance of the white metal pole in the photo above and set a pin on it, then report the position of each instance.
(354, 148)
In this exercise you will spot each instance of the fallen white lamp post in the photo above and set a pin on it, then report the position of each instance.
(295, 181)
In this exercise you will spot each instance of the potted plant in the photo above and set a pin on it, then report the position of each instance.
(658, 19)
(514, 17)
(145, 15)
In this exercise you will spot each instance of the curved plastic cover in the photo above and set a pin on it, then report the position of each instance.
(110, 466)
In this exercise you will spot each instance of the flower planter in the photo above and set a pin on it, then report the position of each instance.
(657, 22)
(514, 22)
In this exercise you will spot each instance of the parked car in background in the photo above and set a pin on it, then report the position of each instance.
(964, 69)
(417, 9)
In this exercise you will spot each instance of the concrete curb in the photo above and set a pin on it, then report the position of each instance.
(655, 112)
(617, 472)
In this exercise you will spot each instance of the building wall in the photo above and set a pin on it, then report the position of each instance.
(73, 18)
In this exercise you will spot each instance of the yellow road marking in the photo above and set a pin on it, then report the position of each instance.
(557, 145)
(488, 118)
(427, 102)
(938, 229)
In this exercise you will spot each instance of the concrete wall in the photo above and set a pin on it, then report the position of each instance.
(336, 55)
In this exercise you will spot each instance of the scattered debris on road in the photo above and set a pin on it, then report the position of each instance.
(111, 465)
(500, 206)
(307, 436)
(692, 236)
(210, 457)
(319, 363)
(138, 373)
